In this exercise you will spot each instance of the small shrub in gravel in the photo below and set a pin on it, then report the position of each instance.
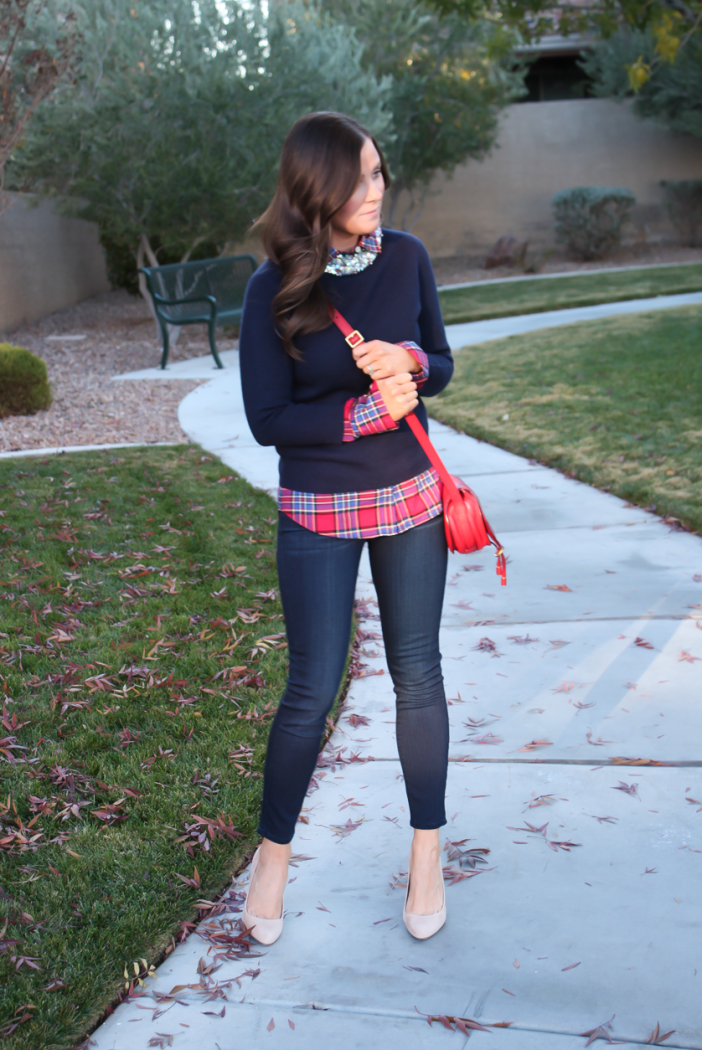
(683, 199)
(24, 384)
(590, 219)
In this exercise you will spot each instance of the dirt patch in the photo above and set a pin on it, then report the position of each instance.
(88, 408)
(459, 269)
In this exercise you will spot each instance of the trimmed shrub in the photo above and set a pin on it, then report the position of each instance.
(683, 199)
(589, 219)
(24, 384)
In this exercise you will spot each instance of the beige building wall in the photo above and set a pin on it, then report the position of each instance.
(544, 147)
(47, 262)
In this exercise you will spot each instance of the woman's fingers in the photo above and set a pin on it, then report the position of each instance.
(399, 394)
(381, 360)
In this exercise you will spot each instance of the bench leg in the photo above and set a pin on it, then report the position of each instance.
(213, 344)
(164, 335)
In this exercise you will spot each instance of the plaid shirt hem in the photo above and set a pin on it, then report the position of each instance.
(365, 515)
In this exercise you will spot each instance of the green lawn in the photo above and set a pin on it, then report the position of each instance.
(618, 403)
(507, 299)
(141, 658)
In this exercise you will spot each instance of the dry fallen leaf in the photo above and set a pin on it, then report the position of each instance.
(540, 800)
(600, 1032)
(622, 760)
(485, 645)
(534, 744)
(530, 829)
(342, 830)
(630, 789)
(357, 720)
(655, 1038)
(463, 1024)
(599, 742)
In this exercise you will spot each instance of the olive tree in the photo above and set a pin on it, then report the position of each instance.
(169, 138)
(449, 78)
(37, 48)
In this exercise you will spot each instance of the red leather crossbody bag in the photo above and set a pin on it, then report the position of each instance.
(467, 528)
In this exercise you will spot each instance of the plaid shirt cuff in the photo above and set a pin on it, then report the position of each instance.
(418, 354)
(367, 415)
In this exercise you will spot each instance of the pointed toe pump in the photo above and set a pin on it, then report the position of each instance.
(266, 931)
(424, 926)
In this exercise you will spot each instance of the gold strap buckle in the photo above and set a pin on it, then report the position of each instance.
(354, 339)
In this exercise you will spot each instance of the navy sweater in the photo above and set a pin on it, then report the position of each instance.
(298, 406)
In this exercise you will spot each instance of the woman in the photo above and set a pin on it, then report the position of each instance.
(350, 472)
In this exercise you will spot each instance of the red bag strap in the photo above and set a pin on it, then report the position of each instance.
(354, 338)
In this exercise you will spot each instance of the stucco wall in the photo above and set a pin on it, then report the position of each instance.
(544, 147)
(47, 262)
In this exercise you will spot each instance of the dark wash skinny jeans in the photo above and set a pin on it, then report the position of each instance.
(317, 583)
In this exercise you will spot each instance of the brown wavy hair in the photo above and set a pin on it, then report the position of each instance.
(320, 166)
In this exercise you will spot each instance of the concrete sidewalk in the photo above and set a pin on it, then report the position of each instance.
(590, 904)
(473, 332)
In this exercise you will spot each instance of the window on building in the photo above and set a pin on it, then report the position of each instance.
(555, 78)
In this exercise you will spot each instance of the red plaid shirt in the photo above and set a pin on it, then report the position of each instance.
(375, 512)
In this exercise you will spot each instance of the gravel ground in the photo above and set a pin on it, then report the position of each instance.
(120, 336)
(87, 408)
(458, 269)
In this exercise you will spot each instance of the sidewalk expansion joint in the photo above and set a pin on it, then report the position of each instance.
(613, 763)
(575, 619)
(415, 1015)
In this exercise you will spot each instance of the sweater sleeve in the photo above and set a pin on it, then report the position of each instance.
(267, 380)
(433, 336)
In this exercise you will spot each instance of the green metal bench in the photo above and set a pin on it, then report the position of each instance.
(209, 291)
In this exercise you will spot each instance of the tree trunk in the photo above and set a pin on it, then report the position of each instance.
(410, 213)
(414, 210)
(145, 251)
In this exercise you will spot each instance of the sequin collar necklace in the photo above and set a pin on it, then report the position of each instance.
(362, 256)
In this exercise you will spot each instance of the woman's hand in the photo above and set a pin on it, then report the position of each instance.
(399, 394)
(381, 360)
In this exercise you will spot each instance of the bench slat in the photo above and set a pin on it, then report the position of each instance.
(206, 291)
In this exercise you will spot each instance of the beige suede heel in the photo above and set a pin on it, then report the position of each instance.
(266, 931)
(423, 926)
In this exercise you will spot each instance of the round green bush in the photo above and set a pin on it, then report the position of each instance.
(24, 384)
(590, 219)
